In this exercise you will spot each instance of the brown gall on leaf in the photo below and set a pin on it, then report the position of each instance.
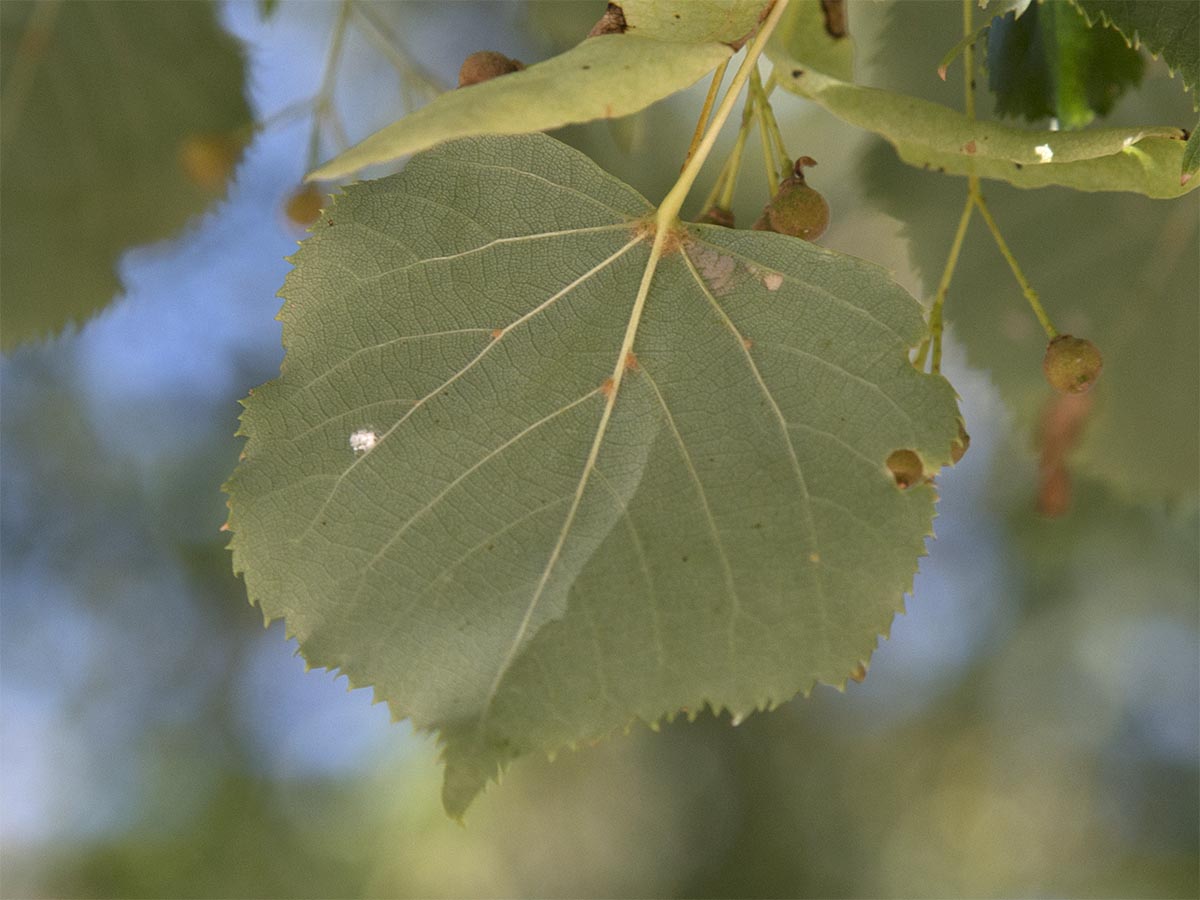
(835, 18)
(716, 215)
(906, 468)
(612, 22)
(1072, 364)
(485, 65)
(796, 208)
(859, 673)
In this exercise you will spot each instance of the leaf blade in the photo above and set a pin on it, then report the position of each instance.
(506, 505)
(665, 48)
(1143, 160)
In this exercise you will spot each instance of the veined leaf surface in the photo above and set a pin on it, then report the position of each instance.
(586, 489)
(666, 46)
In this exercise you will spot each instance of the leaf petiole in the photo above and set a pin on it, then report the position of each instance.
(706, 109)
(668, 211)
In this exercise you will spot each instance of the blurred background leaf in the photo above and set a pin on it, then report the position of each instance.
(1118, 269)
(122, 121)
(1049, 63)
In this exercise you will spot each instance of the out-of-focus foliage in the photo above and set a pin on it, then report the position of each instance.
(121, 121)
(1047, 62)
(1167, 28)
(1118, 269)
(157, 742)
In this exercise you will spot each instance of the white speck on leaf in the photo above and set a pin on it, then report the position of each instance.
(773, 281)
(1045, 154)
(363, 440)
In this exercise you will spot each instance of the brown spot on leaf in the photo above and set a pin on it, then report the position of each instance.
(747, 343)
(631, 361)
(497, 333)
(969, 147)
(906, 468)
(606, 387)
(961, 444)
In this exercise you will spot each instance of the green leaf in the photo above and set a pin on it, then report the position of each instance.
(1191, 156)
(1167, 28)
(578, 500)
(1130, 287)
(814, 34)
(107, 108)
(1144, 160)
(666, 46)
(1049, 63)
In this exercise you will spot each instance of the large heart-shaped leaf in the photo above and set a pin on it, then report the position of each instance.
(121, 122)
(531, 486)
(653, 49)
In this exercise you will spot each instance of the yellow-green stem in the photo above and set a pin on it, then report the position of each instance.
(1026, 288)
(968, 8)
(325, 94)
(785, 159)
(939, 300)
(668, 210)
(733, 166)
(706, 109)
(770, 164)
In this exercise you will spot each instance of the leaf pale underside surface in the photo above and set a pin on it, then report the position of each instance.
(101, 101)
(814, 36)
(1144, 160)
(667, 47)
(525, 559)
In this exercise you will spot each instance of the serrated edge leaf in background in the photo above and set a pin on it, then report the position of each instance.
(105, 170)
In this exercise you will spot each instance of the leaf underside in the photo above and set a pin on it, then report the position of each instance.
(1144, 160)
(100, 100)
(666, 47)
(525, 559)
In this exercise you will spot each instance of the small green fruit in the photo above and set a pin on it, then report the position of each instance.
(796, 208)
(1072, 364)
(486, 65)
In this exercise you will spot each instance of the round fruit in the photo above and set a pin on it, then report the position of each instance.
(1072, 364)
(486, 65)
(304, 206)
(796, 208)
